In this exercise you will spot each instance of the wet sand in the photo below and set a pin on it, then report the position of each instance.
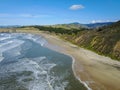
(99, 72)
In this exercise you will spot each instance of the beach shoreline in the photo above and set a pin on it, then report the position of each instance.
(98, 72)
(83, 67)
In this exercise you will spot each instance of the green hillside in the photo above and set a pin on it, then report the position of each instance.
(69, 26)
(104, 40)
(77, 25)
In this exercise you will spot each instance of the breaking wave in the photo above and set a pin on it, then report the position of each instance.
(26, 65)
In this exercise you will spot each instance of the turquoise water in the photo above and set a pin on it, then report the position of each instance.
(25, 64)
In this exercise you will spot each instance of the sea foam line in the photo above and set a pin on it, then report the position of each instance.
(73, 62)
(78, 78)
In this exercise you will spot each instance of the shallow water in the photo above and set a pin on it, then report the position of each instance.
(25, 64)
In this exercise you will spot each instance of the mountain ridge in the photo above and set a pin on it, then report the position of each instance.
(77, 25)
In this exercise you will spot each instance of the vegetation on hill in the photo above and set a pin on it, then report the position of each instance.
(69, 26)
(59, 30)
(77, 25)
(104, 40)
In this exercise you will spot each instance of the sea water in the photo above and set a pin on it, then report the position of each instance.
(25, 64)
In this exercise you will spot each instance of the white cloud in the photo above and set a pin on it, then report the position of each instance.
(4, 15)
(76, 7)
(33, 16)
(25, 15)
(99, 21)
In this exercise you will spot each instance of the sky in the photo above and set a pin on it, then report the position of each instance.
(48, 12)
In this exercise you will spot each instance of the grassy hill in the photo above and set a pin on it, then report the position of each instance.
(69, 26)
(77, 25)
(59, 30)
(103, 40)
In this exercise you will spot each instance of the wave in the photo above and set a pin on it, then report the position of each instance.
(34, 73)
(1, 57)
(38, 39)
(16, 43)
(31, 73)
(10, 45)
(27, 72)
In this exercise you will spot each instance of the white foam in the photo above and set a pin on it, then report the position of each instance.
(5, 43)
(11, 45)
(83, 82)
(4, 38)
(38, 71)
(13, 52)
(42, 77)
(43, 80)
(35, 38)
(1, 57)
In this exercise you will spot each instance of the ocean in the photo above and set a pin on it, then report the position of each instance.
(26, 64)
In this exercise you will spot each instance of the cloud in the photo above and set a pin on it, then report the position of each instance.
(25, 15)
(99, 21)
(76, 7)
(4, 15)
(34, 16)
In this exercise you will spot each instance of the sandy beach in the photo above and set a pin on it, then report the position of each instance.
(98, 72)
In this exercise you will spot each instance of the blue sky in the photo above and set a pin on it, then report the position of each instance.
(44, 12)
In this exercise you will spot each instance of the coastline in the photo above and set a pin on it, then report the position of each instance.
(88, 64)
(98, 72)
(73, 63)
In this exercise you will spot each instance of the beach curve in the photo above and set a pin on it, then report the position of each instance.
(99, 72)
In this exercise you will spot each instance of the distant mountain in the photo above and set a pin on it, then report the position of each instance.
(10, 26)
(76, 25)
(96, 25)
(92, 25)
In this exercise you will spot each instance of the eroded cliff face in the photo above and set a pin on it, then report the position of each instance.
(116, 50)
(105, 41)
